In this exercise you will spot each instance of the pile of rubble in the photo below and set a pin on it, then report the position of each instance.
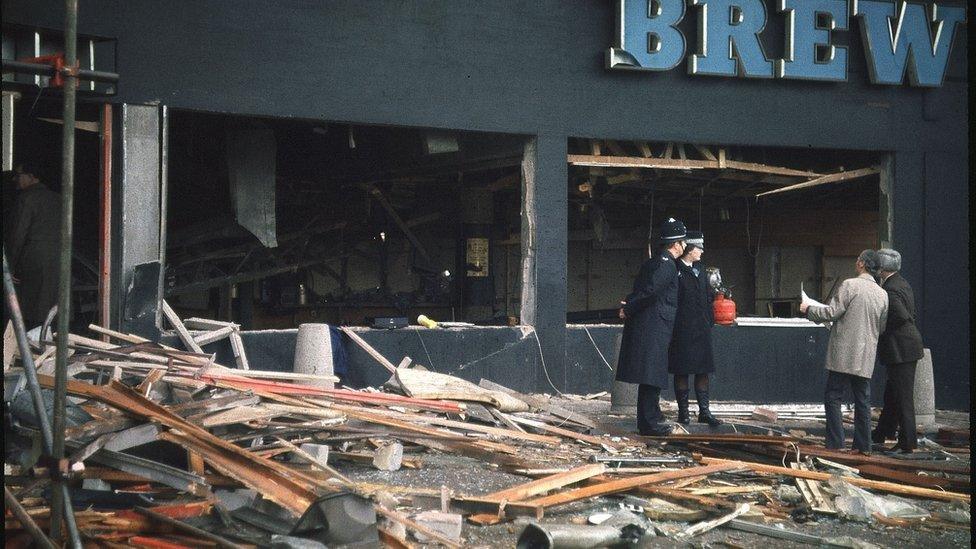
(168, 448)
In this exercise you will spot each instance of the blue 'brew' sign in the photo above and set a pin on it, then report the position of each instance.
(897, 37)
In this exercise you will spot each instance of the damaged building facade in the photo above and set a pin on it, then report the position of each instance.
(501, 164)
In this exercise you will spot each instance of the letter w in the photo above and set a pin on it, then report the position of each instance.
(916, 40)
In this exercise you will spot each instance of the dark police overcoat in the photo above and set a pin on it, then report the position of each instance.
(901, 341)
(691, 345)
(650, 311)
(33, 240)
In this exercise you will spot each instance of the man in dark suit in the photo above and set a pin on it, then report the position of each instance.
(648, 314)
(899, 349)
(32, 236)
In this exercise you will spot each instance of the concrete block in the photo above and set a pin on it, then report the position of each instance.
(313, 353)
(765, 415)
(388, 457)
(924, 391)
(446, 524)
(319, 452)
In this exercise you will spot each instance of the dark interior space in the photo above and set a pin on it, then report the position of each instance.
(765, 245)
(37, 138)
(356, 222)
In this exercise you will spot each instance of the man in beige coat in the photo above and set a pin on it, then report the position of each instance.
(858, 311)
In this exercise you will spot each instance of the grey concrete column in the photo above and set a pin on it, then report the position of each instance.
(544, 247)
(137, 206)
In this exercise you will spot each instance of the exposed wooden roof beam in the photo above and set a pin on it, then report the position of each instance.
(823, 180)
(680, 164)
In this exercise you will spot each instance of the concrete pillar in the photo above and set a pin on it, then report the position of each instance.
(623, 396)
(313, 352)
(924, 394)
(544, 249)
(137, 213)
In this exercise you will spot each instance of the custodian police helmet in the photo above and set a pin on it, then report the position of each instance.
(672, 230)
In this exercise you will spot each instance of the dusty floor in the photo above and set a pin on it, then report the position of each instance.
(473, 477)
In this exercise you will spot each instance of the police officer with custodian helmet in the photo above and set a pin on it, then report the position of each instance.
(648, 313)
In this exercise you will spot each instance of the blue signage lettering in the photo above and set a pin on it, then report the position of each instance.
(918, 42)
(804, 35)
(728, 39)
(648, 28)
(898, 38)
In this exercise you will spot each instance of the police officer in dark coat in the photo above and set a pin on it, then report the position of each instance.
(691, 345)
(900, 348)
(648, 314)
(32, 237)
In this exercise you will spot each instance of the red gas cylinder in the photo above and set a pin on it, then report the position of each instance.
(724, 309)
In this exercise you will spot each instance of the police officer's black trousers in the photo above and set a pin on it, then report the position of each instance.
(649, 414)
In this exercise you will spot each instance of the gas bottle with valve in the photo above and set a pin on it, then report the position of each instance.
(723, 307)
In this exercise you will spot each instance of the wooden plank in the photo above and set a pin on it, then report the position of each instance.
(589, 439)
(369, 349)
(240, 356)
(434, 385)
(825, 179)
(727, 439)
(763, 168)
(376, 415)
(543, 485)
(501, 416)
(905, 477)
(273, 480)
(540, 403)
(639, 162)
(381, 198)
(181, 330)
(889, 487)
(622, 485)
(706, 153)
(961, 467)
(207, 338)
(207, 324)
(707, 502)
(810, 490)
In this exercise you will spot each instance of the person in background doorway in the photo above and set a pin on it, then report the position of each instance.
(32, 240)
(691, 345)
(858, 311)
(899, 349)
(648, 314)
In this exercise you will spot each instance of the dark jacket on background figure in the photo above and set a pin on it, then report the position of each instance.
(650, 312)
(33, 241)
(901, 341)
(691, 345)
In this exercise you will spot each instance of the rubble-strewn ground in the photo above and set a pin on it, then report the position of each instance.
(471, 477)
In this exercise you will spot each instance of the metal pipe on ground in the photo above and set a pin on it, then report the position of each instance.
(30, 374)
(567, 536)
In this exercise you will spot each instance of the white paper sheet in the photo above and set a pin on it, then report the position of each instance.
(810, 302)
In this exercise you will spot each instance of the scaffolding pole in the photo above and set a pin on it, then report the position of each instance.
(60, 507)
(30, 375)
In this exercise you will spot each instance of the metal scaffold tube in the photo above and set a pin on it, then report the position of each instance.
(30, 374)
(59, 504)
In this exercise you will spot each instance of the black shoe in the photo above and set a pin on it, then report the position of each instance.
(657, 430)
(684, 417)
(704, 414)
(898, 450)
(878, 437)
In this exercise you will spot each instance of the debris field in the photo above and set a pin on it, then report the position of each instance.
(167, 448)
